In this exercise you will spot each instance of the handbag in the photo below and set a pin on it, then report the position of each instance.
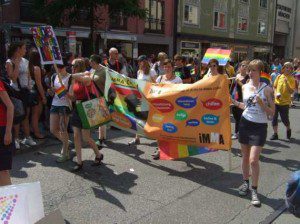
(30, 96)
(93, 112)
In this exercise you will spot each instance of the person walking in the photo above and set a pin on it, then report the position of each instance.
(61, 109)
(81, 87)
(284, 86)
(257, 105)
(7, 144)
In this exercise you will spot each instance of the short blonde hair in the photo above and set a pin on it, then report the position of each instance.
(162, 55)
(288, 64)
(257, 64)
(79, 64)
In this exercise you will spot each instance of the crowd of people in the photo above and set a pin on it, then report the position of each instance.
(254, 103)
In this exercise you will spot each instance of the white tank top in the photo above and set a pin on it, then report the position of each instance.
(253, 112)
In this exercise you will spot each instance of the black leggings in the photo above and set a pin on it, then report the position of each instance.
(237, 114)
(284, 115)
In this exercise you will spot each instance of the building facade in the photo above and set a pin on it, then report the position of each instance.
(284, 28)
(245, 26)
(131, 36)
(296, 44)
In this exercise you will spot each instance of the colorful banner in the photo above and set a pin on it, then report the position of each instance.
(222, 55)
(47, 45)
(188, 114)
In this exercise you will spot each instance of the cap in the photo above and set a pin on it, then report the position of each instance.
(142, 58)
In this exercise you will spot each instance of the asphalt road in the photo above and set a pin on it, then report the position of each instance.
(130, 187)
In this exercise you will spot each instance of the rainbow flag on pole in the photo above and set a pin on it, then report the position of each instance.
(61, 92)
(222, 55)
(173, 150)
(265, 77)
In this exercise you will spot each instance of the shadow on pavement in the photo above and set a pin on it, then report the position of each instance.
(202, 172)
(289, 164)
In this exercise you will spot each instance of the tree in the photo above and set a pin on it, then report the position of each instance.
(58, 11)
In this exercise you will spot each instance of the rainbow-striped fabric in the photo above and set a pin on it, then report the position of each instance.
(61, 92)
(173, 150)
(265, 77)
(222, 55)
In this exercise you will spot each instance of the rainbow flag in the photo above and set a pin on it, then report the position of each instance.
(265, 77)
(61, 92)
(173, 150)
(222, 55)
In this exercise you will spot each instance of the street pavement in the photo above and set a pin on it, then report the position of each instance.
(130, 187)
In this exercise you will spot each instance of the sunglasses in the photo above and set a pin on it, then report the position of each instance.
(212, 66)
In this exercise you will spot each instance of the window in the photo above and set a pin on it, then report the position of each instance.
(243, 24)
(27, 12)
(220, 14)
(245, 1)
(263, 3)
(262, 27)
(155, 22)
(191, 14)
(118, 22)
(220, 20)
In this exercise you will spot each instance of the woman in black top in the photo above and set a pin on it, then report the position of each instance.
(236, 92)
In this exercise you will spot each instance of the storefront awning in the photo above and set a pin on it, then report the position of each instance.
(118, 36)
(60, 32)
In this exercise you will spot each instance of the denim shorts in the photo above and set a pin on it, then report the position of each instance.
(63, 110)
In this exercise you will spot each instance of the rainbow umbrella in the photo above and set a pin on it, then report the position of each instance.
(222, 55)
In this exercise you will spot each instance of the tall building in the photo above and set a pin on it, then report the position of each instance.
(284, 29)
(131, 36)
(245, 26)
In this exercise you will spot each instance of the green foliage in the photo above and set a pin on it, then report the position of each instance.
(56, 11)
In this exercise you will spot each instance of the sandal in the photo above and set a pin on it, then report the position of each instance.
(77, 168)
(98, 161)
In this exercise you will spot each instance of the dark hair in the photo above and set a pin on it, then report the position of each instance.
(13, 47)
(220, 68)
(48, 68)
(95, 58)
(34, 60)
(64, 64)
(69, 55)
(168, 61)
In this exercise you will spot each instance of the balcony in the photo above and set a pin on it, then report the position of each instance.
(118, 22)
(155, 26)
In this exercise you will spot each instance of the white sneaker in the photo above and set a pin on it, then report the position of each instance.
(17, 143)
(28, 141)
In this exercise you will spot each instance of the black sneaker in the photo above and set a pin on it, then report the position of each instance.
(274, 136)
(254, 198)
(288, 133)
(244, 189)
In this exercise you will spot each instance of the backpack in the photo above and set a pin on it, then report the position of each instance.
(16, 98)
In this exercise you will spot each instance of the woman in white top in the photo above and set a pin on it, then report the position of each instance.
(60, 109)
(17, 71)
(169, 77)
(257, 104)
(147, 74)
(214, 69)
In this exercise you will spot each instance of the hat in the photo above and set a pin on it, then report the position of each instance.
(293, 194)
(142, 58)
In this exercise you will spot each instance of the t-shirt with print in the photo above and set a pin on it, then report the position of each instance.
(280, 87)
(162, 79)
(183, 72)
(63, 101)
(2, 107)
(142, 76)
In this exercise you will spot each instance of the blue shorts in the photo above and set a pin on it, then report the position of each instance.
(62, 110)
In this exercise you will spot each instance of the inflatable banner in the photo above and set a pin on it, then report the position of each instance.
(47, 45)
(188, 114)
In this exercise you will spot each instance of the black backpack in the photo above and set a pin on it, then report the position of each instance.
(16, 98)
